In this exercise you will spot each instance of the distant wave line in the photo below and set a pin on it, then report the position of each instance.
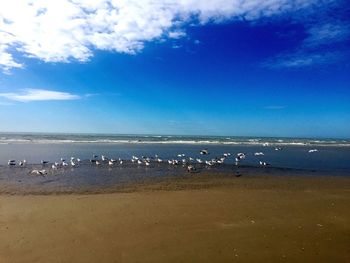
(199, 142)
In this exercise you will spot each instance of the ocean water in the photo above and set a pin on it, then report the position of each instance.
(333, 155)
(41, 138)
(291, 158)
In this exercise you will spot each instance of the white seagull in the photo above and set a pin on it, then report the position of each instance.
(11, 162)
(278, 148)
(38, 172)
(263, 163)
(205, 151)
(191, 168)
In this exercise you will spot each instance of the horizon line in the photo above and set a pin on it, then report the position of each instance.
(181, 135)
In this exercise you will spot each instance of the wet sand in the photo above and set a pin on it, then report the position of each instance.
(199, 218)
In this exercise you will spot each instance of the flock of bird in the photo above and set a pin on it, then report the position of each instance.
(181, 160)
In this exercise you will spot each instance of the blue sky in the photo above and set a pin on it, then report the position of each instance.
(255, 68)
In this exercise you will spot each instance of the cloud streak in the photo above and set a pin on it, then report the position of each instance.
(327, 33)
(274, 107)
(324, 34)
(302, 59)
(28, 95)
(66, 30)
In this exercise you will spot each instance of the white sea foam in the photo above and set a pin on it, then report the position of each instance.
(162, 140)
(11, 138)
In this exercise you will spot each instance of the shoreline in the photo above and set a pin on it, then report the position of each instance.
(110, 180)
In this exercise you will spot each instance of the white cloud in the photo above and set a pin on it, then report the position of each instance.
(303, 59)
(176, 46)
(28, 95)
(323, 45)
(177, 34)
(6, 59)
(65, 30)
(323, 34)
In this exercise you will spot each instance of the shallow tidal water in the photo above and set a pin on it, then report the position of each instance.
(89, 178)
(328, 158)
(290, 159)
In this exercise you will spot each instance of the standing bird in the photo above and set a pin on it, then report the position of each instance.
(204, 152)
(11, 162)
(240, 156)
(264, 163)
(191, 168)
(38, 172)
(278, 148)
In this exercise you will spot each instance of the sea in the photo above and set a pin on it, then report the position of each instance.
(285, 156)
(331, 155)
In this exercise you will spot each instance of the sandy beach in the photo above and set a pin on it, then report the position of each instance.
(201, 218)
(174, 131)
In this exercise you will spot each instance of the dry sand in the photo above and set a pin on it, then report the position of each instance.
(205, 219)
